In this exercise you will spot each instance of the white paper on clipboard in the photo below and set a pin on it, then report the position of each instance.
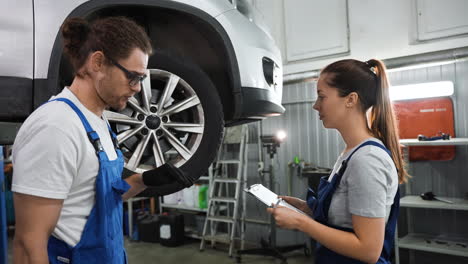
(268, 197)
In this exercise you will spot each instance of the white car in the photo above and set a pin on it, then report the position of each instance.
(214, 62)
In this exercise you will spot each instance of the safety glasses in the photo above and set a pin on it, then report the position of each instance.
(133, 77)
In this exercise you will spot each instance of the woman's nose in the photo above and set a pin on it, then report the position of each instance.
(315, 106)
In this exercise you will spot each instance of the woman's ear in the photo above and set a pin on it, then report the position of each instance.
(352, 99)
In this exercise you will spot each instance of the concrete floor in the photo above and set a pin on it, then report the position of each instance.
(145, 253)
(140, 252)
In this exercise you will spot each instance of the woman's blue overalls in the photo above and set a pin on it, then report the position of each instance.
(321, 205)
(102, 237)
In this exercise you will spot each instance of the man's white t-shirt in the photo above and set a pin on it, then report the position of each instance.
(53, 158)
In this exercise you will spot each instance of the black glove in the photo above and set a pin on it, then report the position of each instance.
(167, 174)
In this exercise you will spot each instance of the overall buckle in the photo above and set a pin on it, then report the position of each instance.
(94, 138)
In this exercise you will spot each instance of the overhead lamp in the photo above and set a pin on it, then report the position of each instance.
(421, 90)
(271, 142)
(422, 65)
(280, 135)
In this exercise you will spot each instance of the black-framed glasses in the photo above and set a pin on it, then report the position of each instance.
(133, 77)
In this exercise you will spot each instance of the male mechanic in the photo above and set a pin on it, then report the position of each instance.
(67, 182)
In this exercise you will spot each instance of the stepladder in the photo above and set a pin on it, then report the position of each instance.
(225, 216)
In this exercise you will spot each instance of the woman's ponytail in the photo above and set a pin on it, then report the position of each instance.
(383, 120)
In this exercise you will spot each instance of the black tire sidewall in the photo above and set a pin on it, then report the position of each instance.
(211, 104)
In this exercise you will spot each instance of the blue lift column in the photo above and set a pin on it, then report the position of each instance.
(3, 223)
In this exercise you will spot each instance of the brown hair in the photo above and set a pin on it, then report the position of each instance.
(116, 37)
(369, 80)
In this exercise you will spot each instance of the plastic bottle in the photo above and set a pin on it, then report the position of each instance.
(202, 196)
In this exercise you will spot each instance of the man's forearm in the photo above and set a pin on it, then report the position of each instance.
(29, 254)
(137, 186)
(19, 253)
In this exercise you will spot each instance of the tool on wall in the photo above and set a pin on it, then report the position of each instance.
(440, 135)
(430, 196)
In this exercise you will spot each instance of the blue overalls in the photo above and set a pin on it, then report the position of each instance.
(321, 205)
(102, 237)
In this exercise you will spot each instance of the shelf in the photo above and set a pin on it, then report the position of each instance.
(191, 232)
(192, 235)
(437, 245)
(183, 207)
(220, 237)
(440, 142)
(204, 178)
(415, 201)
(136, 199)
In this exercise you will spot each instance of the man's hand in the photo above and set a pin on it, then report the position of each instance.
(166, 174)
(163, 180)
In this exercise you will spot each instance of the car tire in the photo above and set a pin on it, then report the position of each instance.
(206, 145)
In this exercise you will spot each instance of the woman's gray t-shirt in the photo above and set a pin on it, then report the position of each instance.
(367, 188)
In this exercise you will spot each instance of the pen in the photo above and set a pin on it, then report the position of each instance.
(277, 202)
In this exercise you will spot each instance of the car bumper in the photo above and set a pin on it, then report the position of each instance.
(259, 103)
(259, 96)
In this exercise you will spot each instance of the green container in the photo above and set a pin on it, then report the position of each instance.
(203, 196)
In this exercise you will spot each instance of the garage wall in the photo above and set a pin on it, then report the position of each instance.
(308, 140)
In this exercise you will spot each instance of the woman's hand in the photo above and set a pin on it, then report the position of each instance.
(298, 203)
(285, 217)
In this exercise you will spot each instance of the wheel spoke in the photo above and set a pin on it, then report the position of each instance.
(120, 118)
(181, 106)
(178, 146)
(127, 134)
(134, 161)
(157, 152)
(146, 92)
(186, 127)
(168, 90)
(133, 103)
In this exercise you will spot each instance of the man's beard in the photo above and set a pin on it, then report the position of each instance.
(108, 99)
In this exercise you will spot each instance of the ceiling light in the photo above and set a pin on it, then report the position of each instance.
(421, 90)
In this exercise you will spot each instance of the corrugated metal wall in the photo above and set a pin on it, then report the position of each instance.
(308, 140)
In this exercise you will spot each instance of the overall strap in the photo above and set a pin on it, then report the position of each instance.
(390, 227)
(92, 135)
(113, 136)
(344, 164)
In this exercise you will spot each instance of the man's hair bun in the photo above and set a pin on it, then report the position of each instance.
(75, 32)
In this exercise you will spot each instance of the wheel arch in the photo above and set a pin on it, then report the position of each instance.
(204, 29)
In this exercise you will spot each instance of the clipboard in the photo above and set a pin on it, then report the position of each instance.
(268, 197)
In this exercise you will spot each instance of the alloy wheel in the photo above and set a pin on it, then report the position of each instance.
(163, 123)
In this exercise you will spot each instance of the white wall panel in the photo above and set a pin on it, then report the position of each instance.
(439, 19)
(315, 28)
(377, 28)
